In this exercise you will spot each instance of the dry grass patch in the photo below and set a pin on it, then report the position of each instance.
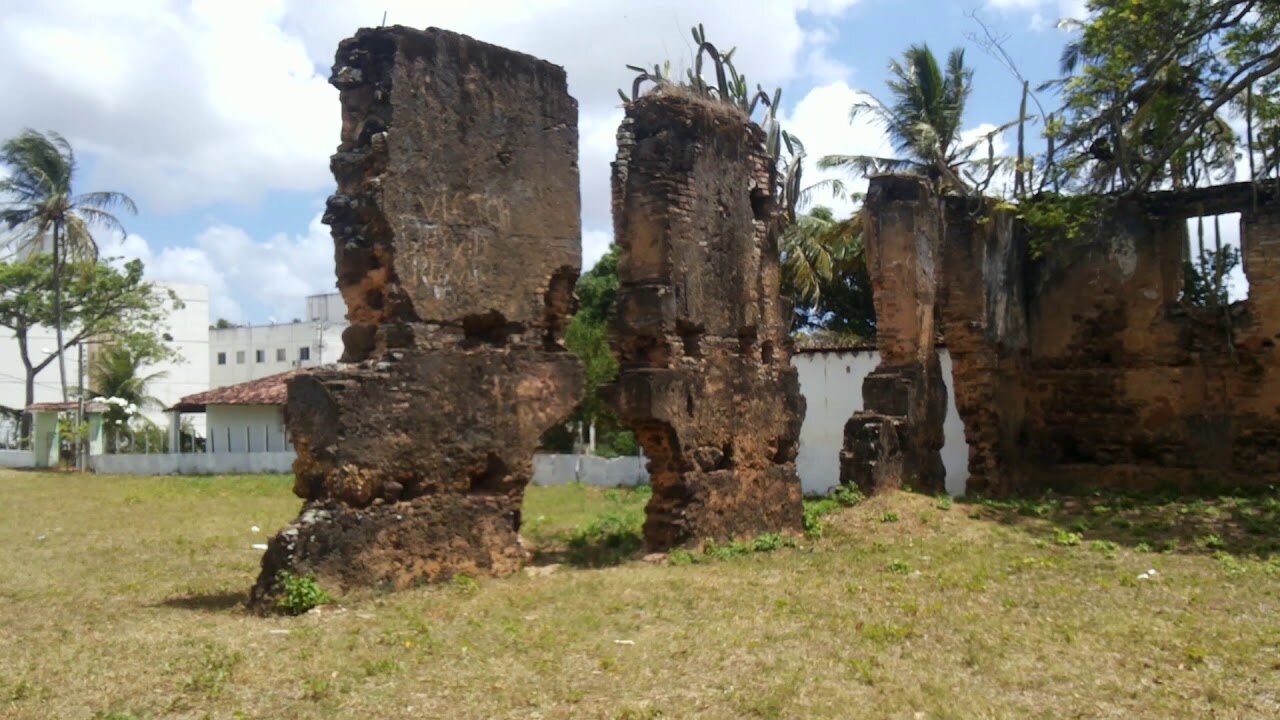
(128, 608)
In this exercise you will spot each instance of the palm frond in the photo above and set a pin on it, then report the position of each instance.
(105, 201)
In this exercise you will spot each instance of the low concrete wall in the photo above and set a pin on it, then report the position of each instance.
(831, 382)
(551, 469)
(17, 458)
(194, 463)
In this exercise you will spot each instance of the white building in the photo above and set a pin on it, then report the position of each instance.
(240, 354)
(831, 382)
(187, 327)
(244, 418)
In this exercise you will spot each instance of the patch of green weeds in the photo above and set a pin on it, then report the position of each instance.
(1230, 565)
(712, 550)
(815, 510)
(890, 517)
(1107, 548)
(887, 633)
(1210, 542)
(214, 669)
(1066, 538)
(300, 593)
(466, 584)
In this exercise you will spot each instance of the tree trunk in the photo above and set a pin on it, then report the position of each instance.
(24, 427)
(57, 304)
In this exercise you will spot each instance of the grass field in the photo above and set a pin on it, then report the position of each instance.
(121, 598)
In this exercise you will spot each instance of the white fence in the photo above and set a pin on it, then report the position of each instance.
(627, 471)
(221, 463)
(17, 458)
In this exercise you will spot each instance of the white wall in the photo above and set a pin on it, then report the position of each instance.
(239, 347)
(17, 458)
(562, 469)
(831, 382)
(194, 463)
(329, 307)
(251, 428)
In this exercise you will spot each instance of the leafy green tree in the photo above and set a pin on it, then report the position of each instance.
(97, 301)
(816, 248)
(824, 276)
(598, 288)
(119, 370)
(923, 119)
(587, 337)
(43, 211)
(1149, 84)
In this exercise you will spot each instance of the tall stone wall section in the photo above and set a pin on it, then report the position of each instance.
(456, 240)
(982, 315)
(1128, 387)
(1084, 367)
(705, 378)
(896, 440)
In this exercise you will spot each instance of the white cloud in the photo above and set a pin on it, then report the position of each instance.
(821, 121)
(182, 106)
(245, 276)
(774, 49)
(1044, 13)
(187, 105)
(1002, 182)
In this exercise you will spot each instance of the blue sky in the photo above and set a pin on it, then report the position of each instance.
(216, 115)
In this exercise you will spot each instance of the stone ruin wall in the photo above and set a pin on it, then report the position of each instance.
(456, 235)
(896, 440)
(705, 379)
(1083, 369)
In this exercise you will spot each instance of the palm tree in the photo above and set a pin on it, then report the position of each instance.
(923, 121)
(815, 248)
(43, 214)
(116, 371)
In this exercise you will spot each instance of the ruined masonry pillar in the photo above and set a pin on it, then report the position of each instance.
(897, 438)
(705, 381)
(457, 241)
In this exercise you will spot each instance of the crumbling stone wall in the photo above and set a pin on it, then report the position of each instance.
(705, 378)
(1126, 386)
(456, 236)
(1082, 368)
(897, 438)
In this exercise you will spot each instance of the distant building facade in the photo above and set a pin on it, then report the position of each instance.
(188, 327)
(241, 354)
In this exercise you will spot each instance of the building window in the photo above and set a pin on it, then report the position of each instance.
(304, 353)
(222, 358)
(239, 357)
(260, 356)
(280, 356)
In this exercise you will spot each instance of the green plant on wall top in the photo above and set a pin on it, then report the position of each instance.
(1054, 222)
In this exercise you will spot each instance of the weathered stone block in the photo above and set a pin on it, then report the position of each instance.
(706, 381)
(457, 180)
(456, 240)
(898, 439)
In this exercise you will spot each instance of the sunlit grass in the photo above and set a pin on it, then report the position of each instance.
(121, 595)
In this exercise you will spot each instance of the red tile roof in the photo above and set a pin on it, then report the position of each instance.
(269, 390)
(69, 406)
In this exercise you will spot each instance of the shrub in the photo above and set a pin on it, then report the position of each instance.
(301, 593)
